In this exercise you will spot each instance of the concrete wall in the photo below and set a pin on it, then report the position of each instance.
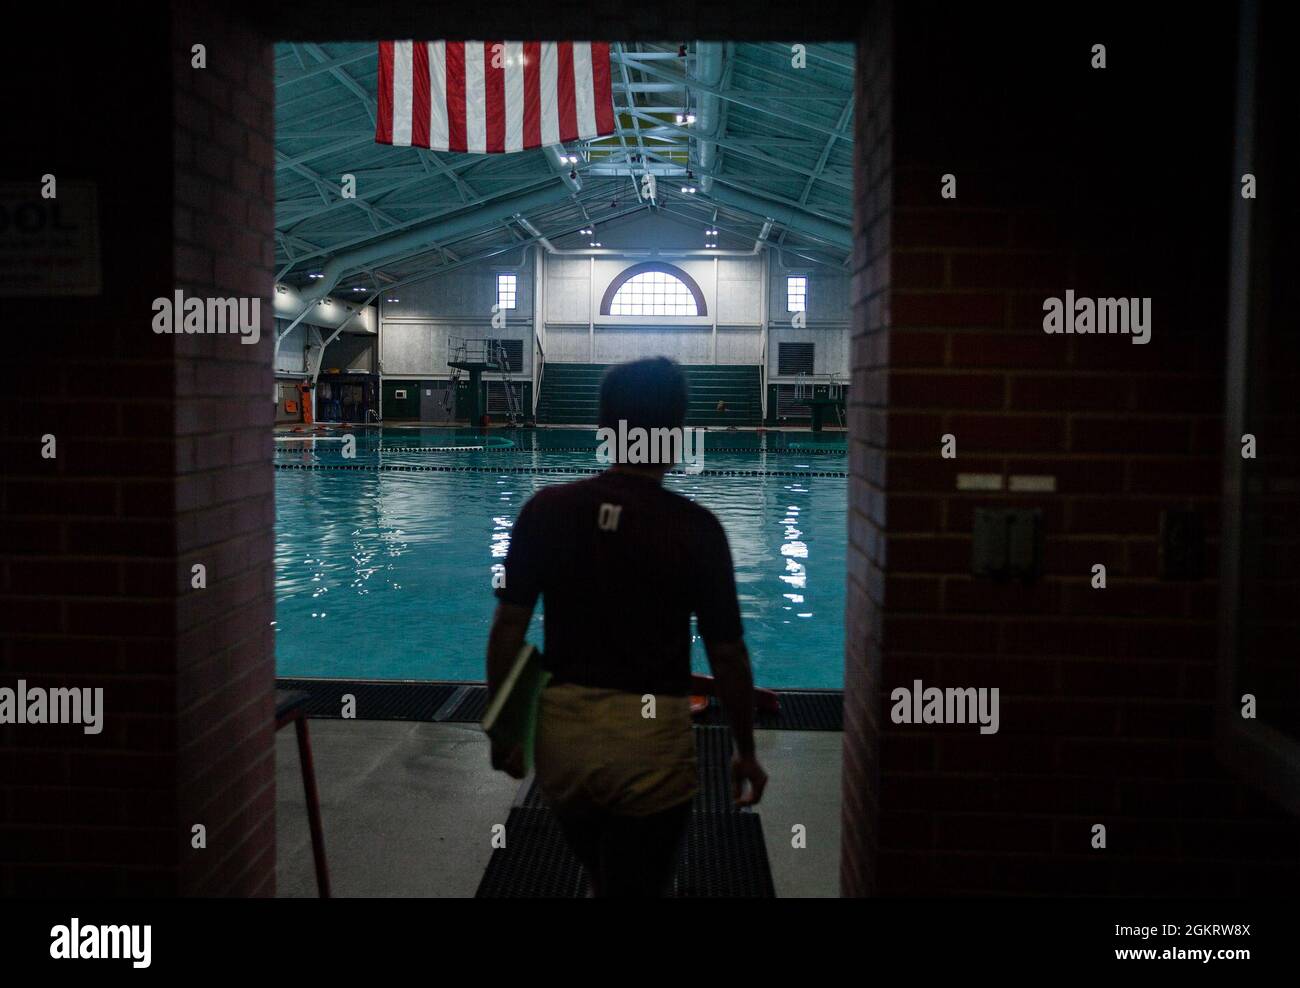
(351, 352)
(414, 331)
(826, 321)
(291, 359)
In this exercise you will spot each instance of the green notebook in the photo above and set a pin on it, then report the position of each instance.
(511, 717)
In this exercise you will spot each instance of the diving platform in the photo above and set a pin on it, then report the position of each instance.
(474, 356)
(819, 407)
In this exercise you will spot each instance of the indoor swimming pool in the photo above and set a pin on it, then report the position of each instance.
(383, 560)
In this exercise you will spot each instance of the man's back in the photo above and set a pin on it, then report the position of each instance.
(621, 564)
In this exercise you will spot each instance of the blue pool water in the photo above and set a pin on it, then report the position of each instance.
(386, 573)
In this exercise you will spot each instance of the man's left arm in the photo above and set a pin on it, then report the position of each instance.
(517, 596)
(509, 626)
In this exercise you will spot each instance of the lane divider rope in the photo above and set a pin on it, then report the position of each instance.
(439, 468)
(587, 449)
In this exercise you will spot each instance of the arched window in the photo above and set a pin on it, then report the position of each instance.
(653, 289)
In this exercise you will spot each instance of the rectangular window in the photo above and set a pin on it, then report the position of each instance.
(506, 291)
(796, 293)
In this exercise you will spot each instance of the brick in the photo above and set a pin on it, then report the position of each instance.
(966, 595)
(950, 228)
(1013, 351)
(1012, 433)
(1069, 392)
(913, 348)
(916, 390)
(912, 513)
(911, 430)
(1019, 271)
(989, 832)
(932, 309)
(1111, 516)
(918, 270)
(912, 593)
(1164, 475)
(929, 554)
(1124, 678)
(939, 634)
(1129, 435)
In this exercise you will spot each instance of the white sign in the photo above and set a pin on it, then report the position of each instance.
(49, 247)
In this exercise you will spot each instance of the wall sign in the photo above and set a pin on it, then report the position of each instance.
(49, 247)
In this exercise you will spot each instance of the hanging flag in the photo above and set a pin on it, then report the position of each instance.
(487, 97)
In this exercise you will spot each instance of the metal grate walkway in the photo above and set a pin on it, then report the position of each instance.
(722, 855)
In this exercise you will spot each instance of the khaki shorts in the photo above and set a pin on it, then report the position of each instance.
(596, 750)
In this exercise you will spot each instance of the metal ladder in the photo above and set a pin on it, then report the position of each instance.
(834, 389)
(513, 411)
(449, 399)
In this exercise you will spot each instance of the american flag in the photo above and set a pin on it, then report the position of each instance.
(486, 97)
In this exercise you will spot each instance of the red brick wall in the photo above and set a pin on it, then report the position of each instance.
(223, 221)
(163, 455)
(867, 416)
(163, 461)
(1113, 183)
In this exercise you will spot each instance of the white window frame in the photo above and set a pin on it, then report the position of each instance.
(632, 284)
(802, 276)
(514, 289)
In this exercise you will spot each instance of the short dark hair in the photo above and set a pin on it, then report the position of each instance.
(649, 394)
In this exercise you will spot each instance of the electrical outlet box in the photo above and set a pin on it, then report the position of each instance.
(1007, 544)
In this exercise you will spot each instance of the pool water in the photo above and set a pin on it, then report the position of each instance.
(383, 566)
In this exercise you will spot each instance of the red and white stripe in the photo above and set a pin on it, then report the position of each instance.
(487, 97)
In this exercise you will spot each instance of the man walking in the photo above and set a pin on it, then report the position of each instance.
(621, 564)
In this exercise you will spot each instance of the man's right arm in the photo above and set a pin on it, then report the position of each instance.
(718, 611)
(734, 682)
(735, 687)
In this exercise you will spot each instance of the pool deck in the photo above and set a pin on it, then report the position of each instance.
(408, 808)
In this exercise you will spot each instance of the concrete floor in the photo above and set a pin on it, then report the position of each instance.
(408, 808)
